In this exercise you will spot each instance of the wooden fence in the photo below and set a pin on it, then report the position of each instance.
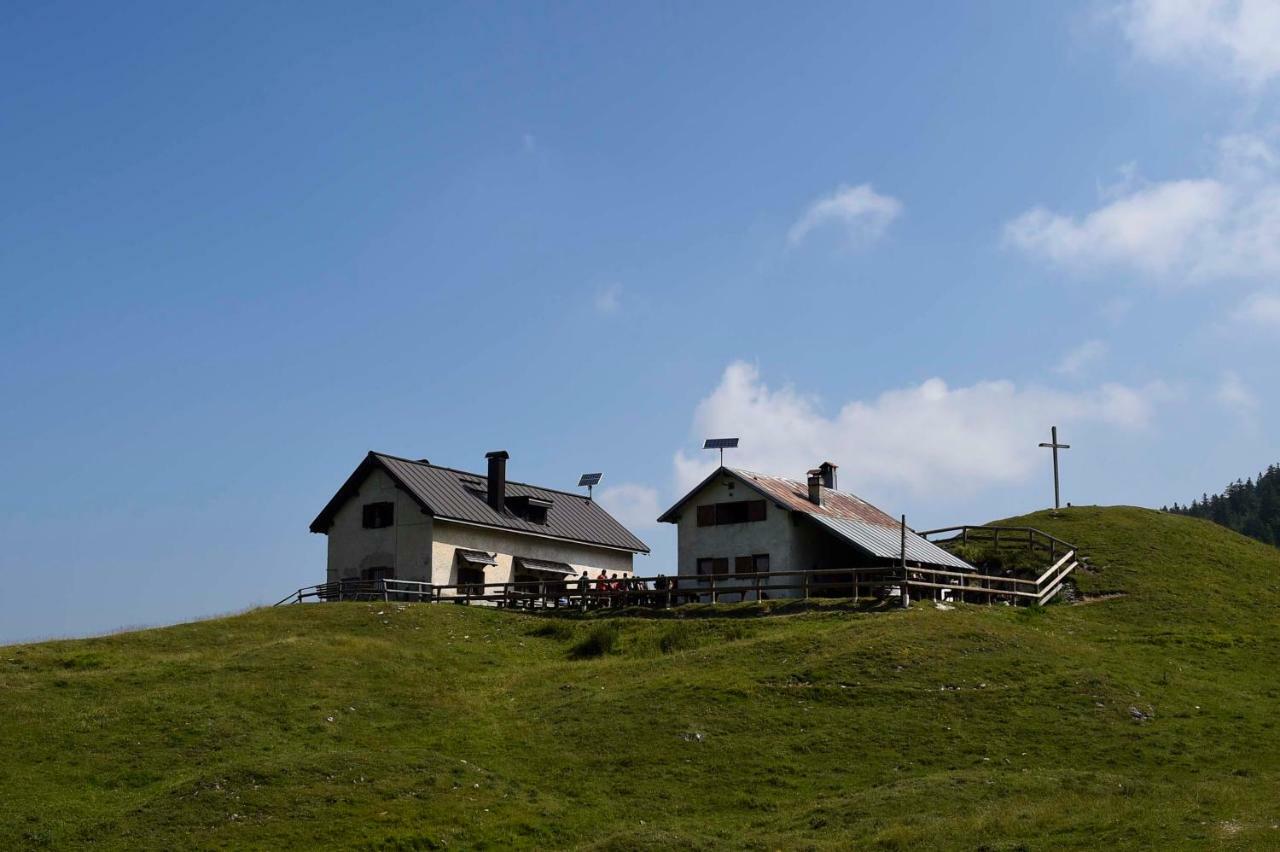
(661, 592)
(1001, 537)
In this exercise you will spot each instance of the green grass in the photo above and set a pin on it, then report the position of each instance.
(420, 727)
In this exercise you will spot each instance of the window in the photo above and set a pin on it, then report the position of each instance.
(530, 508)
(761, 562)
(713, 566)
(743, 565)
(733, 512)
(378, 515)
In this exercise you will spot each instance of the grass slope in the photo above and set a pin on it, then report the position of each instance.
(394, 727)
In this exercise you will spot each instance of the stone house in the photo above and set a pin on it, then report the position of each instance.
(740, 522)
(395, 518)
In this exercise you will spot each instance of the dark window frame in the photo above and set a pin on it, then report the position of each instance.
(376, 516)
(732, 512)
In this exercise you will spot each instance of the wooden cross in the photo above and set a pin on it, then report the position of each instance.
(1055, 446)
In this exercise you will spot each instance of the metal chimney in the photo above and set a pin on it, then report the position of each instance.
(497, 478)
(815, 487)
(828, 471)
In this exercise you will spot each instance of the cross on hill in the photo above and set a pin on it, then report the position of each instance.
(1055, 446)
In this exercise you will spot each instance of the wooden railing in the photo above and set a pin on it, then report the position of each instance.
(998, 537)
(663, 592)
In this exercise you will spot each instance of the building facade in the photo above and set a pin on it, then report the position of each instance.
(396, 518)
(737, 522)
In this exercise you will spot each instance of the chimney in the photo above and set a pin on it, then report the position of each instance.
(497, 478)
(828, 472)
(815, 487)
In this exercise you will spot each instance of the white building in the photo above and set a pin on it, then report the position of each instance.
(411, 520)
(740, 522)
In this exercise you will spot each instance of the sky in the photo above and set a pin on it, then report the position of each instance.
(243, 244)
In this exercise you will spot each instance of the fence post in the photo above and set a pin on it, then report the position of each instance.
(906, 591)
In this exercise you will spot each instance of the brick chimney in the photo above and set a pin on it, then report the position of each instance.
(497, 478)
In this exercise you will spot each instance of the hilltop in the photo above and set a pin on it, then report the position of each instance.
(1142, 720)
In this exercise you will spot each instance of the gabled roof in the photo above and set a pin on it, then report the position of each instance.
(844, 514)
(456, 495)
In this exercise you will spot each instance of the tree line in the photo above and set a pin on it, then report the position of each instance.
(1251, 506)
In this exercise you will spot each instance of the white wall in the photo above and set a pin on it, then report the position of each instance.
(507, 545)
(775, 535)
(404, 546)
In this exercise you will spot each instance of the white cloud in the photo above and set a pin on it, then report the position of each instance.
(635, 506)
(608, 299)
(1223, 226)
(1234, 395)
(1261, 310)
(1239, 39)
(861, 212)
(1081, 358)
(922, 438)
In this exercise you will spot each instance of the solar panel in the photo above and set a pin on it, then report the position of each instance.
(720, 444)
(590, 479)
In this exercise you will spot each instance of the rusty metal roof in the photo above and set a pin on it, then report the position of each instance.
(847, 515)
(795, 496)
(456, 495)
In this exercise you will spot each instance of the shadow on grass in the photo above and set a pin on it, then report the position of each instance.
(748, 609)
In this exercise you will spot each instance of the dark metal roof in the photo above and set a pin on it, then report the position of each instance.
(546, 566)
(844, 514)
(456, 495)
(476, 557)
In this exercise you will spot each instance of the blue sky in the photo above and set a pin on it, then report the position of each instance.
(242, 245)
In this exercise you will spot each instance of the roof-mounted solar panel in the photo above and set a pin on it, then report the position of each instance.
(720, 444)
(589, 479)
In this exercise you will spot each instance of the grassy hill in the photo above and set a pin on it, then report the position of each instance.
(1140, 721)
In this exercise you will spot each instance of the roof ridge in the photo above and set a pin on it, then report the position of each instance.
(482, 476)
(797, 483)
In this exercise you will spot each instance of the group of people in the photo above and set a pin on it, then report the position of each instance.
(615, 590)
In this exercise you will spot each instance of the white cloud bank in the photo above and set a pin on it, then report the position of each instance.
(635, 506)
(859, 211)
(923, 438)
(1223, 226)
(1239, 39)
